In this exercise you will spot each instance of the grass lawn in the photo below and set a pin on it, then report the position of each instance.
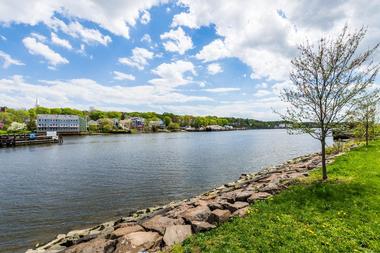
(340, 215)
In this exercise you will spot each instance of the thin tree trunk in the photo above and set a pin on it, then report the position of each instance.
(324, 169)
(366, 134)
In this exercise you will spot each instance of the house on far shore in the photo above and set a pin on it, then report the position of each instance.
(157, 123)
(137, 122)
(62, 124)
(125, 124)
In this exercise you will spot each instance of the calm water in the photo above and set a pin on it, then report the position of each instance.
(46, 190)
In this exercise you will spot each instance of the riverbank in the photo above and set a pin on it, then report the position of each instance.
(160, 227)
(340, 215)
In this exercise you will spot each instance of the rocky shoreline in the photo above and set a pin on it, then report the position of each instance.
(158, 228)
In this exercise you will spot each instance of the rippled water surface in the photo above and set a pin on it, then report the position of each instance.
(46, 190)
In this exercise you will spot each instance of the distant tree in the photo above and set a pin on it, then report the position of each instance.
(16, 127)
(173, 126)
(95, 115)
(106, 125)
(55, 110)
(365, 112)
(42, 110)
(113, 115)
(326, 79)
(167, 120)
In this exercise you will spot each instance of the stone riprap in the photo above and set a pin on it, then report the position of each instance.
(158, 228)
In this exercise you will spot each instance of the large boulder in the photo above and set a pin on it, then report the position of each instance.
(214, 205)
(138, 242)
(258, 196)
(176, 234)
(241, 212)
(94, 246)
(219, 216)
(126, 229)
(199, 213)
(159, 223)
(201, 226)
(235, 206)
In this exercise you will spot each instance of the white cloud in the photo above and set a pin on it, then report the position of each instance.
(145, 17)
(77, 30)
(122, 76)
(214, 68)
(173, 74)
(8, 60)
(60, 42)
(214, 51)
(176, 41)
(116, 16)
(146, 38)
(264, 34)
(139, 58)
(221, 90)
(262, 93)
(38, 36)
(2, 37)
(79, 93)
(37, 48)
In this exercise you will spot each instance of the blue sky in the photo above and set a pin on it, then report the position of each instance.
(187, 57)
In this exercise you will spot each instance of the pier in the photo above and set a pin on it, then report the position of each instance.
(14, 140)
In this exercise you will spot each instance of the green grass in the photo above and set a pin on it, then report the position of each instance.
(340, 215)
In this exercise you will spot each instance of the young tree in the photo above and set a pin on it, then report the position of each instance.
(365, 112)
(326, 79)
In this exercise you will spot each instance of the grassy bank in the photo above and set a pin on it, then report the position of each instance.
(341, 215)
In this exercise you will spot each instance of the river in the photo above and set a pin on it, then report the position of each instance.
(51, 189)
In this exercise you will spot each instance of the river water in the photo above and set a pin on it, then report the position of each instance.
(51, 189)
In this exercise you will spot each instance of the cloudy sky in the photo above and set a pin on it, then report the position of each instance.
(200, 57)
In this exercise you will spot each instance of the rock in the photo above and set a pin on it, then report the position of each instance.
(94, 246)
(272, 188)
(243, 196)
(78, 233)
(176, 234)
(257, 196)
(235, 206)
(219, 216)
(124, 230)
(138, 242)
(199, 213)
(241, 212)
(200, 226)
(214, 205)
(159, 223)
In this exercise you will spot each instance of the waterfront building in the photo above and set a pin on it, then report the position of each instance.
(137, 122)
(60, 123)
(157, 123)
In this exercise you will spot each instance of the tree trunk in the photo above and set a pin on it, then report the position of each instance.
(366, 133)
(324, 169)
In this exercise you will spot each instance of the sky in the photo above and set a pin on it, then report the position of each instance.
(198, 57)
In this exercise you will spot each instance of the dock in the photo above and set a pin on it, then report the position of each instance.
(15, 140)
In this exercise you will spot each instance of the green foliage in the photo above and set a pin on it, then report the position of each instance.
(105, 125)
(167, 120)
(173, 126)
(338, 215)
(93, 128)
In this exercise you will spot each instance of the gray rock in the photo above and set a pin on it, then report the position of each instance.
(138, 242)
(176, 234)
(94, 246)
(235, 206)
(241, 212)
(214, 205)
(159, 223)
(201, 226)
(199, 213)
(243, 196)
(258, 196)
(219, 216)
(127, 229)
